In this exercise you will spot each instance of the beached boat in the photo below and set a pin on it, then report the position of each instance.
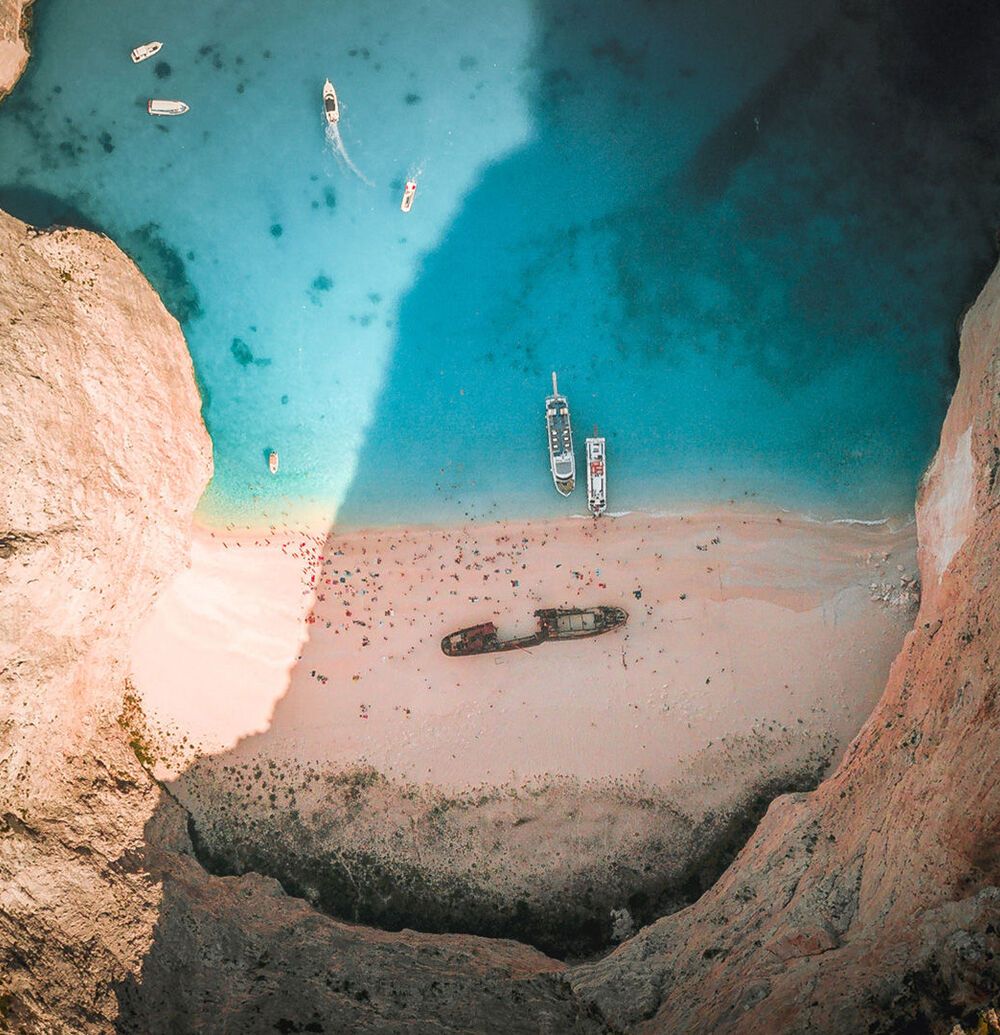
(597, 485)
(146, 50)
(160, 107)
(408, 193)
(554, 623)
(272, 462)
(561, 459)
(573, 623)
(331, 107)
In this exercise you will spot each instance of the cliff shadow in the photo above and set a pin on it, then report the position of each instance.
(488, 281)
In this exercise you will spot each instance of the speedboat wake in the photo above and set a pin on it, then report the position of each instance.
(335, 141)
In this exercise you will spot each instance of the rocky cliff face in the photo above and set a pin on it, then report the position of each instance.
(871, 904)
(14, 16)
(106, 920)
(868, 905)
(105, 457)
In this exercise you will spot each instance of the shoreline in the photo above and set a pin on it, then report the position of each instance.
(225, 657)
(314, 518)
(330, 743)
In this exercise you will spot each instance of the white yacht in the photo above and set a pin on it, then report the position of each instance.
(331, 107)
(146, 51)
(561, 459)
(160, 107)
(408, 194)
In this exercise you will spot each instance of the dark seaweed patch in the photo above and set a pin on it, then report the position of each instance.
(329, 197)
(241, 352)
(467, 62)
(106, 142)
(284, 400)
(166, 270)
(41, 209)
(412, 98)
(162, 70)
(244, 356)
(70, 150)
(322, 283)
(277, 230)
(628, 62)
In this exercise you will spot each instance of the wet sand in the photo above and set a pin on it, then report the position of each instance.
(326, 648)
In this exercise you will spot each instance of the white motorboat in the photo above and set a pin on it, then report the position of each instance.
(160, 107)
(561, 459)
(408, 194)
(331, 107)
(272, 462)
(146, 50)
(597, 476)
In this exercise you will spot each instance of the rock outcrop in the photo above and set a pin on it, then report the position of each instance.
(871, 904)
(14, 15)
(105, 457)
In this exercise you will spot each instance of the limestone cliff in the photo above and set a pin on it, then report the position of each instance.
(14, 15)
(871, 904)
(105, 457)
(106, 920)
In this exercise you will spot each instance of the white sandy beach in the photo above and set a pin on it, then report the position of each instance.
(327, 649)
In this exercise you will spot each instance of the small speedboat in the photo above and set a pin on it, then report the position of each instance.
(159, 107)
(408, 194)
(272, 461)
(146, 50)
(330, 106)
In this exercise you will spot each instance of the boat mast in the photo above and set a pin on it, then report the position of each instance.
(555, 390)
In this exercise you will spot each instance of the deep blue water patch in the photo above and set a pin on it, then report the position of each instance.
(742, 236)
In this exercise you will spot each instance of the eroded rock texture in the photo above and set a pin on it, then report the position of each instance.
(105, 457)
(870, 905)
(14, 15)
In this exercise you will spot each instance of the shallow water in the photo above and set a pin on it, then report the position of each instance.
(742, 237)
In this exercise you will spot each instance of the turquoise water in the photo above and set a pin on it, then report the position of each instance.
(742, 237)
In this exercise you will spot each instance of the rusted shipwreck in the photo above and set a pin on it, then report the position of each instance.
(554, 623)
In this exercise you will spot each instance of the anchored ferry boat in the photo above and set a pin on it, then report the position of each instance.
(561, 458)
(597, 485)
